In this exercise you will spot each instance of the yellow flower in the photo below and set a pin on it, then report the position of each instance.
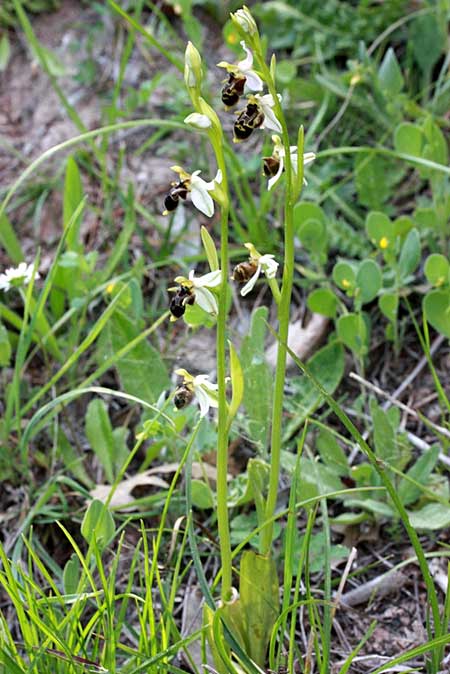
(345, 284)
(384, 243)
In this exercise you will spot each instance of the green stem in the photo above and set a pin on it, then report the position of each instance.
(283, 316)
(222, 430)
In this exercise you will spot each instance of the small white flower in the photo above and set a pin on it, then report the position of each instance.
(279, 154)
(266, 103)
(204, 391)
(198, 121)
(199, 189)
(265, 264)
(200, 286)
(17, 276)
(244, 70)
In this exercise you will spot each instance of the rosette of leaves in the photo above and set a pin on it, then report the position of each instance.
(8, 16)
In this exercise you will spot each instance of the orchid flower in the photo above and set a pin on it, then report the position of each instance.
(243, 70)
(198, 288)
(198, 188)
(17, 276)
(274, 165)
(260, 263)
(198, 386)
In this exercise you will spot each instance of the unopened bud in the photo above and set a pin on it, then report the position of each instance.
(244, 20)
(192, 67)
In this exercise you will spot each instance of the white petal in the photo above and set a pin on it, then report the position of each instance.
(277, 175)
(219, 177)
(209, 280)
(270, 120)
(203, 401)
(251, 282)
(294, 162)
(206, 300)
(201, 199)
(246, 63)
(254, 82)
(308, 157)
(268, 265)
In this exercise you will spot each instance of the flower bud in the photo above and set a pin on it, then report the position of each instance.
(198, 121)
(192, 67)
(244, 20)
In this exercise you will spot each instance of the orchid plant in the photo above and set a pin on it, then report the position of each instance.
(262, 110)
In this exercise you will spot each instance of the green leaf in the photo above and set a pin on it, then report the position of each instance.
(410, 254)
(368, 280)
(352, 330)
(371, 179)
(428, 41)
(322, 301)
(71, 574)
(388, 304)
(98, 524)
(344, 276)
(100, 436)
(258, 379)
(409, 139)
(371, 505)
(383, 434)
(379, 227)
(310, 226)
(426, 217)
(73, 196)
(436, 305)
(5, 346)
(142, 371)
(436, 148)
(432, 516)
(237, 383)
(390, 76)
(9, 240)
(202, 496)
(328, 367)
(331, 452)
(210, 249)
(420, 472)
(5, 52)
(437, 269)
(259, 597)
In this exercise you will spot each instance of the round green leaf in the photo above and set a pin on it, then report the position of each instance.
(388, 304)
(310, 226)
(380, 230)
(344, 276)
(322, 301)
(368, 280)
(436, 306)
(437, 269)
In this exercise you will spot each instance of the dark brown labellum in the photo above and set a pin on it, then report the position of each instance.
(177, 191)
(183, 296)
(183, 396)
(249, 119)
(233, 90)
(270, 166)
(244, 271)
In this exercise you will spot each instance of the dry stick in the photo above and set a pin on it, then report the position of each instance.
(413, 374)
(340, 590)
(439, 429)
